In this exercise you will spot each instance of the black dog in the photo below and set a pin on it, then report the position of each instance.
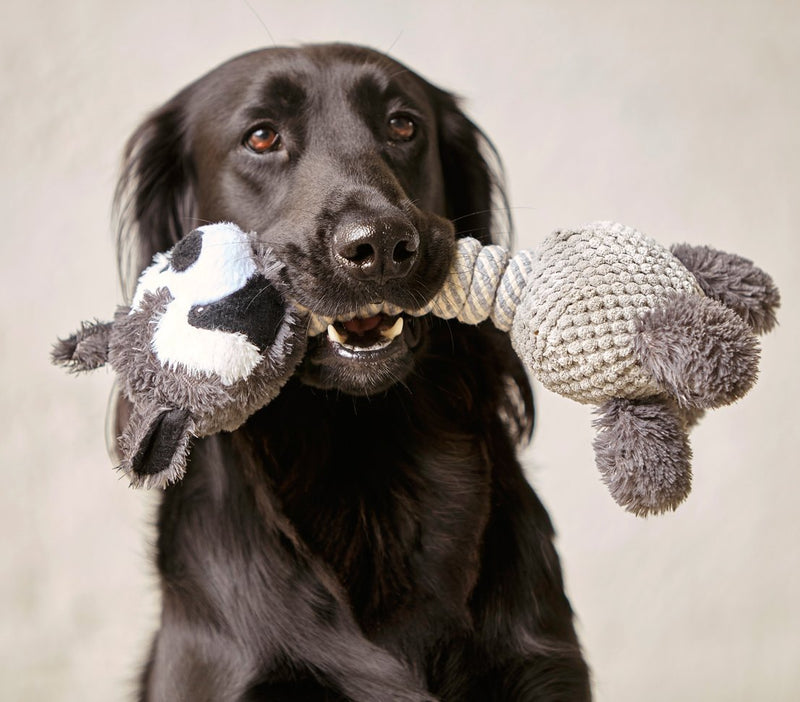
(369, 535)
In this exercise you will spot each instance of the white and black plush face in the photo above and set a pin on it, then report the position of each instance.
(225, 311)
(358, 173)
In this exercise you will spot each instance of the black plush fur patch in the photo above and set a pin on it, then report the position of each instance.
(256, 310)
(187, 251)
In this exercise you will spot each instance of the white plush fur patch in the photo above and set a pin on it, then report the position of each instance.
(224, 265)
(202, 351)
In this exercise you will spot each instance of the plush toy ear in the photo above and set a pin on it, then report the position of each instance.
(84, 350)
(155, 445)
(735, 282)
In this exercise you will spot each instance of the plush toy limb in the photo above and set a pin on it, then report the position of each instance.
(735, 282)
(643, 454)
(155, 445)
(702, 353)
(84, 350)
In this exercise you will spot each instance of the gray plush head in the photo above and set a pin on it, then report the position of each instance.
(207, 341)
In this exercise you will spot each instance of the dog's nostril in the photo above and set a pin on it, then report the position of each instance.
(362, 254)
(403, 251)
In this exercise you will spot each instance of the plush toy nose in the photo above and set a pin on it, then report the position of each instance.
(381, 250)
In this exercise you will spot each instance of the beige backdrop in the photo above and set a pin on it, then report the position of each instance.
(681, 118)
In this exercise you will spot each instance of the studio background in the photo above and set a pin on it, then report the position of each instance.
(680, 118)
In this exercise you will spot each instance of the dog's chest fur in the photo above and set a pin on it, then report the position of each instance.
(397, 517)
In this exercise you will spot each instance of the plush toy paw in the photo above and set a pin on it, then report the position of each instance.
(735, 282)
(700, 352)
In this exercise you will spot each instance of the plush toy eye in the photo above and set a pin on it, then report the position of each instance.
(262, 139)
(401, 128)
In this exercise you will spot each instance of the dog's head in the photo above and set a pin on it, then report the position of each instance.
(356, 171)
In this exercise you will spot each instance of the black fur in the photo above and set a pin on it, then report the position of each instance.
(369, 535)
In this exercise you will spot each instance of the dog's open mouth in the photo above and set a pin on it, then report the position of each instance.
(361, 335)
(362, 354)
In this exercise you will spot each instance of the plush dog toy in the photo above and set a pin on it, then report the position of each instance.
(601, 314)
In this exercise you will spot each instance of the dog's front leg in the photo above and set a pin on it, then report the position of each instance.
(246, 606)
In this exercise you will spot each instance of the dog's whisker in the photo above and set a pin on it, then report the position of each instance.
(260, 21)
(393, 44)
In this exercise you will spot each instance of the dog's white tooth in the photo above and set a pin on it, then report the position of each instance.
(395, 330)
(335, 336)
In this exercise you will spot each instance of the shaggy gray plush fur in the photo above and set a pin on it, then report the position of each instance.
(171, 404)
(643, 454)
(735, 282)
(698, 350)
(86, 349)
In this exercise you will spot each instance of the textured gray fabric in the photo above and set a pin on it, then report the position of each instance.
(589, 288)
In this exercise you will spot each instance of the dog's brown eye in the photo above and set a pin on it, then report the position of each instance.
(262, 139)
(401, 128)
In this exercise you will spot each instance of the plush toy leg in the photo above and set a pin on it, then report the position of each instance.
(735, 282)
(698, 350)
(84, 350)
(643, 454)
(155, 446)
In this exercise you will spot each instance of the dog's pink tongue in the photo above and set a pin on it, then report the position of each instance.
(359, 326)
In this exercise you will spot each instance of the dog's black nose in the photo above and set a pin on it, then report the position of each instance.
(379, 250)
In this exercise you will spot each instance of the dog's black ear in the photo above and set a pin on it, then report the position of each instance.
(477, 205)
(154, 203)
(473, 179)
(155, 198)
